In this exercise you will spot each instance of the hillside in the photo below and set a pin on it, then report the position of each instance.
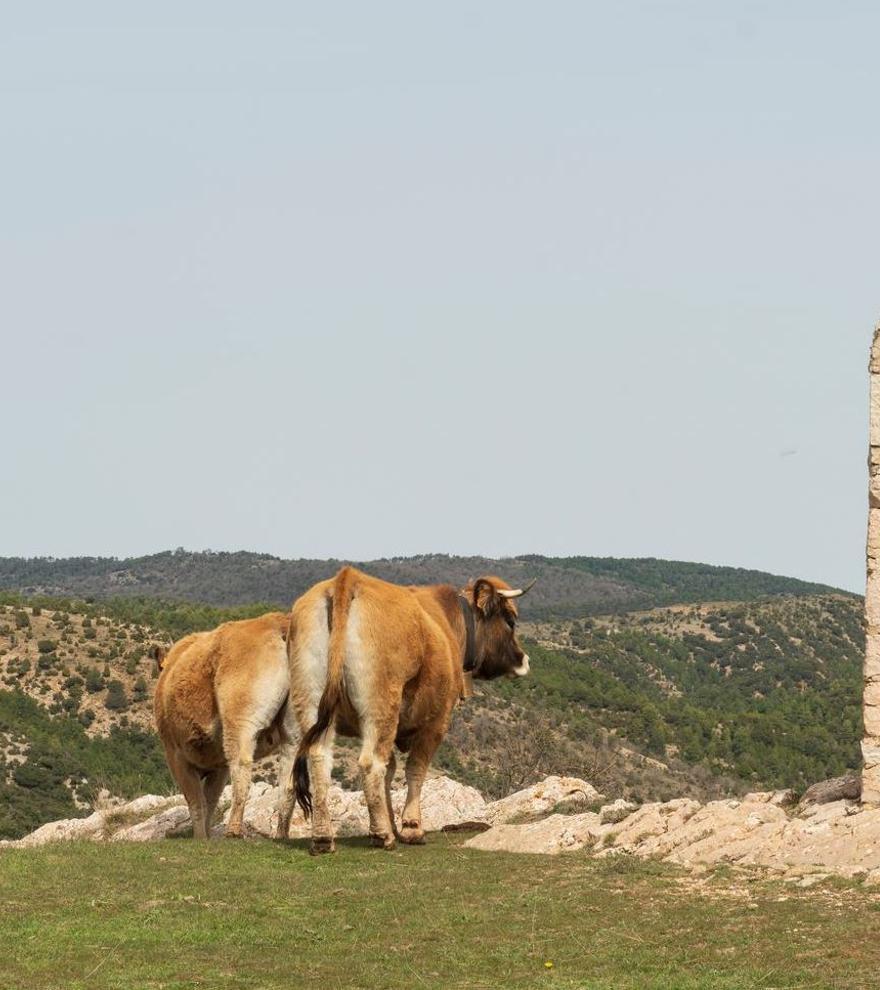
(700, 700)
(571, 587)
(769, 691)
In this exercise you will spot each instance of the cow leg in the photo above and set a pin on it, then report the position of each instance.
(422, 752)
(240, 754)
(212, 786)
(286, 756)
(390, 770)
(287, 797)
(373, 760)
(189, 780)
(320, 770)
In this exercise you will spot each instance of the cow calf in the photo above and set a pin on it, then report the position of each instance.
(221, 703)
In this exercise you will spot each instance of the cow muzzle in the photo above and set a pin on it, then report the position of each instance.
(523, 669)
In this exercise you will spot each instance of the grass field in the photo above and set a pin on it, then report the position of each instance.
(177, 914)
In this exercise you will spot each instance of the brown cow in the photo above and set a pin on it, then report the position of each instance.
(388, 664)
(221, 703)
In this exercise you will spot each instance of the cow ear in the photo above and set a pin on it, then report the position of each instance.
(485, 597)
(158, 653)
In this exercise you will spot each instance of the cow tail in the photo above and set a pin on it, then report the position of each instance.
(339, 606)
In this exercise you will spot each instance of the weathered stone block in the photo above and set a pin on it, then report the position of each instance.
(871, 710)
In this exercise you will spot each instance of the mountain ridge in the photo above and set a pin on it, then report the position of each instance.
(567, 587)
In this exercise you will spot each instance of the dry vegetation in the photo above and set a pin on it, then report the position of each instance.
(68, 661)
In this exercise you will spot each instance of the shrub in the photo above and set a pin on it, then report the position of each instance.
(45, 645)
(28, 775)
(116, 699)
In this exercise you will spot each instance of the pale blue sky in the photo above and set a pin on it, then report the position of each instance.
(373, 279)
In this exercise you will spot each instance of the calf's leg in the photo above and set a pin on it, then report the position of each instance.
(189, 780)
(239, 750)
(390, 770)
(287, 796)
(212, 785)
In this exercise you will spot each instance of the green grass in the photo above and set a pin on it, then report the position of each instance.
(177, 914)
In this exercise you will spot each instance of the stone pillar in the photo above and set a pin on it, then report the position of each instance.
(871, 697)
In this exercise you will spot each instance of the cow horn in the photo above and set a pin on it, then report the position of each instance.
(516, 592)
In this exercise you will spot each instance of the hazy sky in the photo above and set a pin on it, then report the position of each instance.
(362, 280)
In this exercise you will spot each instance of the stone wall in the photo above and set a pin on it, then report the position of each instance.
(871, 699)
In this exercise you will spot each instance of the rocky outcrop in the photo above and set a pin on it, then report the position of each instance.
(838, 837)
(610, 814)
(785, 799)
(556, 834)
(445, 803)
(847, 788)
(94, 827)
(164, 825)
(542, 798)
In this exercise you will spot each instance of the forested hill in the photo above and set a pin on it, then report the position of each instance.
(568, 587)
(685, 700)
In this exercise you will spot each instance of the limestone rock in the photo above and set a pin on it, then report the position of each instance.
(260, 816)
(93, 827)
(541, 798)
(611, 814)
(651, 820)
(839, 837)
(445, 802)
(838, 788)
(553, 835)
(816, 814)
(784, 799)
(147, 803)
(721, 831)
(160, 826)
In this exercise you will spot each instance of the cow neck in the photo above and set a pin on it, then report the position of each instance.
(469, 661)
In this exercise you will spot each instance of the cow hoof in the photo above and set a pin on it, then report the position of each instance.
(412, 835)
(383, 841)
(323, 845)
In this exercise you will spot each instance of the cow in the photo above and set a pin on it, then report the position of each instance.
(388, 664)
(222, 701)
